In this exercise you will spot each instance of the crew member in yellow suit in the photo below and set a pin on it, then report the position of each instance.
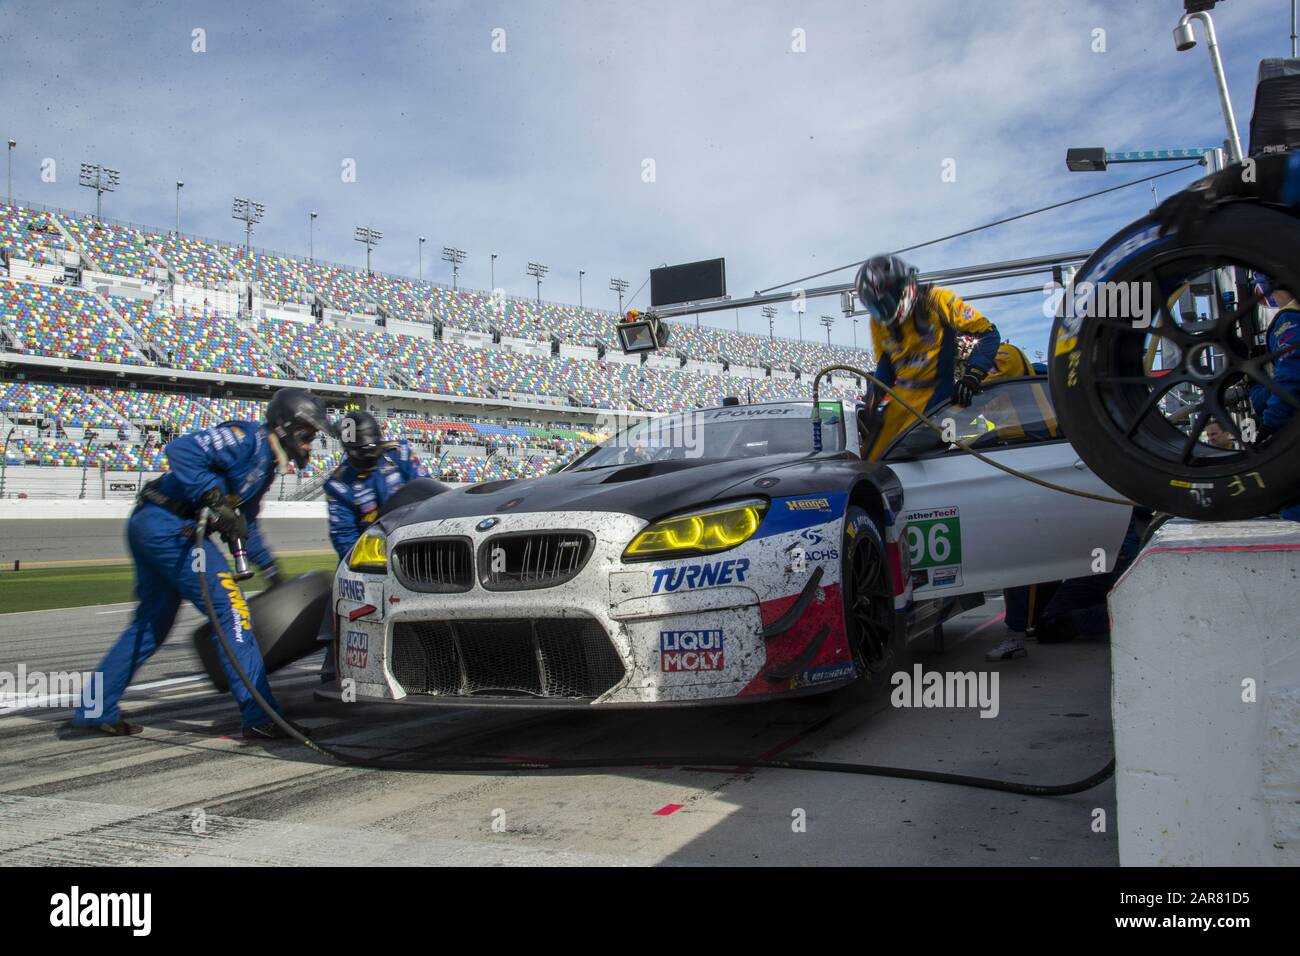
(1010, 362)
(914, 330)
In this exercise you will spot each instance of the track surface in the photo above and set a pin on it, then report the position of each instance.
(55, 543)
(138, 801)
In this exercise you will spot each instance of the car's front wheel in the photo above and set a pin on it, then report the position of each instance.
(868, 595)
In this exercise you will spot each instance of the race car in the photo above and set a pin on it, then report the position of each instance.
(710, 556)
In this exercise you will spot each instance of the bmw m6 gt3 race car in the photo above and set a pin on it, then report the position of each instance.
(711, 556)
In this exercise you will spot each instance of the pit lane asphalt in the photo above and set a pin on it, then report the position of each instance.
(61, 543)
(138, 801)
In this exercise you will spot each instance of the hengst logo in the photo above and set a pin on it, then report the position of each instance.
(691, 576)
(690, 650)
(808, 504)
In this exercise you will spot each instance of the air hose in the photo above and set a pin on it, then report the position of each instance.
(957, 443)
(595, 763)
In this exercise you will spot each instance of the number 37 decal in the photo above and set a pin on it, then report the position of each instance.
(934, 545)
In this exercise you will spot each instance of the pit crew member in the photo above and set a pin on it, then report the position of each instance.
(227, 469)
(914, 330)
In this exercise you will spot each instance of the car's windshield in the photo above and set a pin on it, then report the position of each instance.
(736, 431)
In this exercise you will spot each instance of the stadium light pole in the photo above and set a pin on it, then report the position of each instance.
(247, 211)
(180, 184)
(828, 321)
(420, 254)
(770, 313)
(581, 273)
(99, 178)
(9, 177)
(370, 237)
(455, 257)
(492, 273)
(537, 270)
(311, 238)
(619, 286)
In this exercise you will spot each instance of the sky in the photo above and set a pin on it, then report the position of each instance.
(613, 137)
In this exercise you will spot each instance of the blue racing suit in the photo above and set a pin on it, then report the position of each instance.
(235, 458)
(1273, 410)
(355, 497)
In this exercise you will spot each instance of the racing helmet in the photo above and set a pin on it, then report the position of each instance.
(363, 439)
(294, 416)
(886, 287)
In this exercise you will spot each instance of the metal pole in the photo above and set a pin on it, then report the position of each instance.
(311, 238)
(580, 275)
(179, 185)
(492, 274)
(1293, 36)
(967, 273)
(1212, 42)
(9, 179)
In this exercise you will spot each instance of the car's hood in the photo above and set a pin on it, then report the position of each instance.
(645, 490)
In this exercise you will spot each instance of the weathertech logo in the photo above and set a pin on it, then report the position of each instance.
(808, 504)
(690, 650)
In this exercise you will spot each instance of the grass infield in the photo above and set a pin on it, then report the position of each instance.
(40, 589)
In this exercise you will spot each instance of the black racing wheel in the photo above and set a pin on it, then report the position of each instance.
(1153, 354)
(867, 592)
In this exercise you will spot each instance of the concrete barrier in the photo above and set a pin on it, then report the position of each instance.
(1205, 647)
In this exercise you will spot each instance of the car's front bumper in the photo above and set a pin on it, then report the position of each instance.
(682, 632)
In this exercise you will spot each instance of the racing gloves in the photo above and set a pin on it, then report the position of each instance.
(967, 387)
(228, 522)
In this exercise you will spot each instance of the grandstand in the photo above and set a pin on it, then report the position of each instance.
(199, 331)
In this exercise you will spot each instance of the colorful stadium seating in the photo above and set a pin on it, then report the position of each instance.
(28, 233)
(119, 250)
(64, 322)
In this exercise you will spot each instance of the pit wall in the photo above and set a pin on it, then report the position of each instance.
(1205, 696)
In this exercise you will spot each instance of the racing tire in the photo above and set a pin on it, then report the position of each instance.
(867, 592)
(286, 623)
(1116, 411)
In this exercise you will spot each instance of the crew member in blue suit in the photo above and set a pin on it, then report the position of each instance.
(226, 469)
(372, 471)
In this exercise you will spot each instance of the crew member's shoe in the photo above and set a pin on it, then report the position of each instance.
(1008, 650)
(267, 731)
(118, 728)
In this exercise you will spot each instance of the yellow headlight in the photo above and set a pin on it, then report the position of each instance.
(699, 532)
(370, 553)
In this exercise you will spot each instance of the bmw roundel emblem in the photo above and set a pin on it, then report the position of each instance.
(486, 523)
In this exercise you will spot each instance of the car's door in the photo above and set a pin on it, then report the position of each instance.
(974, 528)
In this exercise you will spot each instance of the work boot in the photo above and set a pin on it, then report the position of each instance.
(267, 731)
(118, 728)
(1009, 649)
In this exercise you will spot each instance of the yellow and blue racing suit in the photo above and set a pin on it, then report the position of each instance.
(919, 363)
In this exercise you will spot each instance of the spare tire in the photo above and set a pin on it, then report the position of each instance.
(1142, 428)
(286, 622)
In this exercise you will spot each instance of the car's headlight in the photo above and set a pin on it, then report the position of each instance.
(370, 553)
(701, 531)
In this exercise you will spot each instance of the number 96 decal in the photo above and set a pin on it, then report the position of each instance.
(934, 546)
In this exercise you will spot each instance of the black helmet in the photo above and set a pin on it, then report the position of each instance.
(363, 439)
(886, 286)
(294, 416)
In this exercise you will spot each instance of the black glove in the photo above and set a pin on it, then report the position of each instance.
(273, 575)
(227, 521)
(967, 387)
